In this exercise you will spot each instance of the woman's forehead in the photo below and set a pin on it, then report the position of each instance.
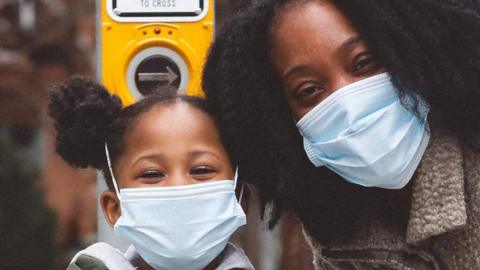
(314, 27)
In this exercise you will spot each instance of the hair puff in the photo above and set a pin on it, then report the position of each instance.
(83, 112)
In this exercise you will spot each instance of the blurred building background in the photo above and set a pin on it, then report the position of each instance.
(47, 208)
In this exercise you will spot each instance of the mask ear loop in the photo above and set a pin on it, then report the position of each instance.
(241, 193)
(111, 172)
(235, 180)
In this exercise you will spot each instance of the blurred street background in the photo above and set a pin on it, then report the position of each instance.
(47, 208)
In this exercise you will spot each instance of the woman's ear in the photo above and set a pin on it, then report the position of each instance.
(110, 206)
(243, 195)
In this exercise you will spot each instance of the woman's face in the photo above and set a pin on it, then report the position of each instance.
(316, 51)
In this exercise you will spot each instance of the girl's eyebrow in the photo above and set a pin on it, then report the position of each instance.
(150, 156)
(196, 153)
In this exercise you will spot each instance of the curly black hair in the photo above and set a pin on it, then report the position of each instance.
(429, 47)
(86, 116)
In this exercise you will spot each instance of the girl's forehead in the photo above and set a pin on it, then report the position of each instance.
(170, 113)
(175, 123)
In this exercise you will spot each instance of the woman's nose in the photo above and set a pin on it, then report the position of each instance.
(342, 80)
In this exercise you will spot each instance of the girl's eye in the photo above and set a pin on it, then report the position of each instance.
(152, 174)
(202, 171)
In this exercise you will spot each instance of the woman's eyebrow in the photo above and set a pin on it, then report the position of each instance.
(295, 69)
(341, 51)
(348, 45)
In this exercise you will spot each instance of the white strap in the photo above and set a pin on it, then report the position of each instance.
(111, 171)
(241, 193)
(235, 178)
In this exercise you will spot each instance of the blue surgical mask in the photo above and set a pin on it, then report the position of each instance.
(179, 227)
(364, 134)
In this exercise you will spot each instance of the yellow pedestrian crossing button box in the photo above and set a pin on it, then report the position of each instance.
(148, 46)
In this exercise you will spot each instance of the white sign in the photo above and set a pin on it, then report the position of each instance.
(157, 10)
(157, 6)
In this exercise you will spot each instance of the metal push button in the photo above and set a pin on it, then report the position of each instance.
(157, 70)
(157, 74)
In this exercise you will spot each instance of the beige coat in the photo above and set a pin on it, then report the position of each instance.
(443, 230)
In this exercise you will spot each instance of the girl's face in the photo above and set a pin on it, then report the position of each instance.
(172, 145)
(169, 145)
(317, 51)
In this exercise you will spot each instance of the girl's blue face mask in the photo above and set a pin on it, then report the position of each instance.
(363, 133)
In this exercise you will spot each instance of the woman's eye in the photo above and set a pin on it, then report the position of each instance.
(308, 91)
(152, 174)
(364, 64)
(202, 170)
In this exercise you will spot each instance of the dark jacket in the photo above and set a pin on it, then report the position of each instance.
(443, 230)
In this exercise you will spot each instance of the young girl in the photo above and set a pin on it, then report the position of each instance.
(171, 183)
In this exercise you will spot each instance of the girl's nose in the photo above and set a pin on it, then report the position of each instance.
(179, 178)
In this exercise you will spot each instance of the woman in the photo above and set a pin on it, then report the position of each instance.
(385, 95)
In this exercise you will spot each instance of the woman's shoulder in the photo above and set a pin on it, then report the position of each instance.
(100, 256)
